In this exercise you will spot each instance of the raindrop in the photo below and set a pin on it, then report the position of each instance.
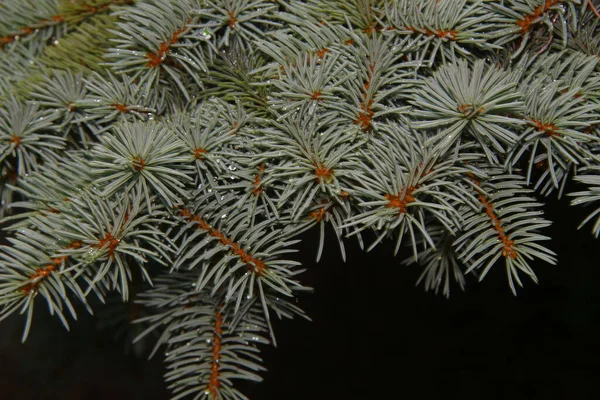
(206, 34)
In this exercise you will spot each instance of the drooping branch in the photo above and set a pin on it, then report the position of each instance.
(508, 250)
(80, 11)
(156, 58)
(42, 273)
(213, 383)
(254, 264)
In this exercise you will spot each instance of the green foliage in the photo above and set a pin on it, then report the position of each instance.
(28, 136)
(181, 147)
(473, 101)
(147, 156)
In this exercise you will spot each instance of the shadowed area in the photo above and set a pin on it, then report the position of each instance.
(373, 335)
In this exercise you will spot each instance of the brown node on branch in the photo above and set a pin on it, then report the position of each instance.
(470, 110)
(6, 40)
(120, 107)
(235, 127)
(37, 277)
(256, 187)
(321, 53)
(543, 164)
(16, 140)
(138, 163)
(51, 210)
(109, 242)
(318, 215)
(61, 259)
(365, 116)
(528, 20)
(590, 129)
(199, 153)
(156, 59)
(213, 382)
(316, 95)
(232, 19)
(507, 248)
(449, 34)
(577, 95)
(323, 174)
(400, 201)
(548, 128)
(373, 27)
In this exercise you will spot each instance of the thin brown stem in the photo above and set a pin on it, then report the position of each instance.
(594, 9)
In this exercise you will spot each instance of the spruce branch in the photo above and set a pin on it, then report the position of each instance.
(206, 349)
(42, 20)
(593, 8)
(30, 267)
(82, 48)
(519, 19)
(505, 227)
(27, 136)
(253, 196)
(473, 100)
(15, 71)
(324, 212)
(113, 234)
(400, 193)
(61, 92)
(311, 82)
(29, 21)
(43, 191)
(588, 177)
(442, 28)
(584, 38)
(203, 137)
(150, 157)
(111, 99)
(238, 21)
(252, 256)
(440, 264)
(237, 76)
(555, 132)
(316, 162)
(156, 40)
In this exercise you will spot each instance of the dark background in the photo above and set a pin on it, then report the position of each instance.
(374, 335)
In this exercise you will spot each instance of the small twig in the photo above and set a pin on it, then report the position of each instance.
(594, 10)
